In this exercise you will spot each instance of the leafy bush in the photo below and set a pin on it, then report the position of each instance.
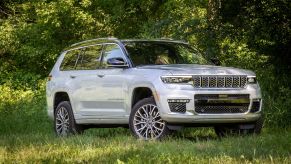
(22, 109)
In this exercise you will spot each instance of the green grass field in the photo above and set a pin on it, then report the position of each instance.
(26, 136)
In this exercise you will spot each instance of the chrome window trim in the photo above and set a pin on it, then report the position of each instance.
(82, 50)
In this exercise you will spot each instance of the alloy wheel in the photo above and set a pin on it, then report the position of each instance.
(62, 122)
(148, 123)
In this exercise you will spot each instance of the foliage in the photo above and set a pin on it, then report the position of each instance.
(246, 34)
(251, 34)
(22, 109)
(265, 25)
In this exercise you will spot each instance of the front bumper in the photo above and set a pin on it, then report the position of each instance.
(190, 116)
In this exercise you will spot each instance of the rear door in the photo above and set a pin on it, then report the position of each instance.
(84, 82)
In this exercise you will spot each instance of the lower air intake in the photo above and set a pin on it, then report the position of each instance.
(255, 106)
(221, 103)
(220, 109)
(177, 107)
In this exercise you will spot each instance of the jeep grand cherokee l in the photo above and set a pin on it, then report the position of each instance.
(152, 86)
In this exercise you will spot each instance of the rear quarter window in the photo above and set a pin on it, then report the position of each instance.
(69, 61)
(89, 58)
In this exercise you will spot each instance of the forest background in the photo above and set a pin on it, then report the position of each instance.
(250, 34)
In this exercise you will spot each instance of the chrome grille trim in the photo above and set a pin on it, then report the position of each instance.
(219, 81)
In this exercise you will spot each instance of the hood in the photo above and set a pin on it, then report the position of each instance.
(197, 69)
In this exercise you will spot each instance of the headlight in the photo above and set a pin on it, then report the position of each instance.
(252, 80)
(177, 79)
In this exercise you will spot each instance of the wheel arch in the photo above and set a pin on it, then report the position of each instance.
(59, 97)
(141, 92)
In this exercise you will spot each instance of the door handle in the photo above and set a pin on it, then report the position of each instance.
(72, 76)
(100, 76)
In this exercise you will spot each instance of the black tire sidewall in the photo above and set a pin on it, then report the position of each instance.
(259, 125)
(73, 127)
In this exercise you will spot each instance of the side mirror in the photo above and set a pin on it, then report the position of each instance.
(215, 61)
(117, 62)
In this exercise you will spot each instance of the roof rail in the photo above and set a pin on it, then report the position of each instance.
(90, 40)
(174, 40)
(163, 38)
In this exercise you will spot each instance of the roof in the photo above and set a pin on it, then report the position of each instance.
(116, 40)
(153, 40)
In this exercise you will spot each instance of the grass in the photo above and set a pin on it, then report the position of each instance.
(26, 136)
(117, 145)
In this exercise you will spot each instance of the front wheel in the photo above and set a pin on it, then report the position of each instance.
(145, 121)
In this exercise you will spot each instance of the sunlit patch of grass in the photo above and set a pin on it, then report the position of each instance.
(90, 147)
(26, 136)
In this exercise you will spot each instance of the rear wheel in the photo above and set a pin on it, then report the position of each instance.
(64, 122)
(244, 129)
(145, 121)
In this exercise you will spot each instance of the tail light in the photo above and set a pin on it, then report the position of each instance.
(49, 77)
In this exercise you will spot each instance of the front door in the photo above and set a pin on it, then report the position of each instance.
(113, 83)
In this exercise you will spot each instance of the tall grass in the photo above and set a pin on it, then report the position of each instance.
(26, 136)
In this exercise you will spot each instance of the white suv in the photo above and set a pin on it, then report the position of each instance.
(152, 86)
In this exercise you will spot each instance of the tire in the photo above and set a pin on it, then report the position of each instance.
(145, 121)
(231, 130)
(258, 125)
(64, 121)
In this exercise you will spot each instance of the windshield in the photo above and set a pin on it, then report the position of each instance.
(163, 53)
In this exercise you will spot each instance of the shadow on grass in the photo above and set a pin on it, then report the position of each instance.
(200, 138)
(195, 134)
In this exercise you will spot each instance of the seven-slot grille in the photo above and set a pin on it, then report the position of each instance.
(220, 81)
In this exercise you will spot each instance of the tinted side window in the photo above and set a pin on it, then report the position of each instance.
(111, 51)
(69, 61)
(89, 58)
